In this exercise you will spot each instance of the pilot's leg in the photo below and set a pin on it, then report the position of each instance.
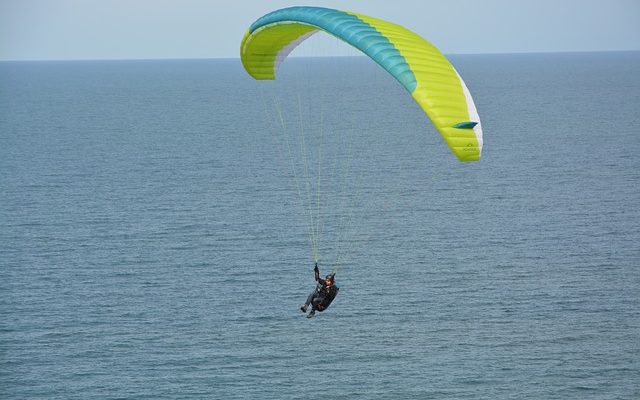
(309, 300)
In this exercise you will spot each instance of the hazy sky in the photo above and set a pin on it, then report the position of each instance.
(108, 29)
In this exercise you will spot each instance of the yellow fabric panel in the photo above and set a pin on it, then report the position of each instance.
(439, 91)
(261, 48)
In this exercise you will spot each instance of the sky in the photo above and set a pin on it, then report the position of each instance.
(152, 29)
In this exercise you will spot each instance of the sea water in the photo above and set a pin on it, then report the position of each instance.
(152, 247)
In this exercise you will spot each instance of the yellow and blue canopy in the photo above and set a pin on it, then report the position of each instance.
(418, 65)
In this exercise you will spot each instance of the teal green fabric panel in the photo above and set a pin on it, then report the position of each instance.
(352, 30)
(465, 125)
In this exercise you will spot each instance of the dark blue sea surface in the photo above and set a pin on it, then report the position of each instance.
(153, 244)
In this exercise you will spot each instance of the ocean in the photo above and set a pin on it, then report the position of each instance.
(153, 244)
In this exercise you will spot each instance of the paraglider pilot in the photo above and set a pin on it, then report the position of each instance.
(324, 293)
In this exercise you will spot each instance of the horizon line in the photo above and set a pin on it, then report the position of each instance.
(294, 56)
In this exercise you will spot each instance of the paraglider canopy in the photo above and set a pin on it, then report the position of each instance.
(418, 65)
